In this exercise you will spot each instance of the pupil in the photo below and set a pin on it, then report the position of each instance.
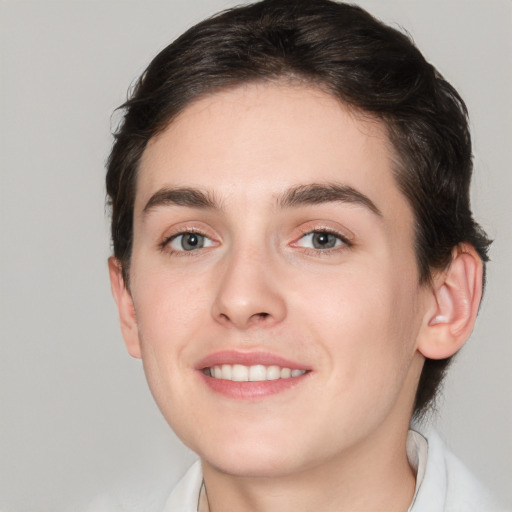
(192, 241)
(324, 240)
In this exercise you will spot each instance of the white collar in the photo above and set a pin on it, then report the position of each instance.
(186, 495)
(417, 452)
(442, 481)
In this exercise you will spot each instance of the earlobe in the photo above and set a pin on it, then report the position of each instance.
(456, 297)
(123, 299)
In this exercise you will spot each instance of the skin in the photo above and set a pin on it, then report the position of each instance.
(354, 315)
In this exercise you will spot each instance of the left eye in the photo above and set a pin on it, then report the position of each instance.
(189, 242)
(320, 240)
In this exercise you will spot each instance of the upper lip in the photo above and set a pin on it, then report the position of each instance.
(248, 359)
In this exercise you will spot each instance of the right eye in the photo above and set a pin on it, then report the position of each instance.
(321, 240)
(189, 241)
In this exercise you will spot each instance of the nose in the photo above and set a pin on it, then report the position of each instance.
(248, 293)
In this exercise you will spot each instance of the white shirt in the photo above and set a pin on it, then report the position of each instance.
(443, 484)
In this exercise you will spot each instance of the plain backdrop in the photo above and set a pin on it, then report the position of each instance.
(76, 418)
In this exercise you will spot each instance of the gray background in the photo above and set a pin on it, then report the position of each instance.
(76, 419)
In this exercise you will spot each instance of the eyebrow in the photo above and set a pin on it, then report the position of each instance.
(186, 196)
(317, 193)
(301, 195)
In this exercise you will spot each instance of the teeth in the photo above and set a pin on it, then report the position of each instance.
(239, 373)
(286, 373)
(255, 373)
(226, 372)
(258, 372)
(274, 373)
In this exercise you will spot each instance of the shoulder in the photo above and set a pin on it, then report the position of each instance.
(447, 485)
(144, 493)
(185, 496)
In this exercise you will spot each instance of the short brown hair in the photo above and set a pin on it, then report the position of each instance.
(356, 58)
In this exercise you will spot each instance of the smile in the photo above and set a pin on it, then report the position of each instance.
(254, 373)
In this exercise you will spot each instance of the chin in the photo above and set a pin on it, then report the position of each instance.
(250, 455)
(251, 464)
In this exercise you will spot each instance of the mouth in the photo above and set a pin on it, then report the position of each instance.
(254, 373)
(250, 375)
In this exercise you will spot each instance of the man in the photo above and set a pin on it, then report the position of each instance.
(295, 258)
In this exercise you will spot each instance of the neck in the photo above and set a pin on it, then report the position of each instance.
(373, 476)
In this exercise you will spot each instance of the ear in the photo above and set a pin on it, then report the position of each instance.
(456, 297)
(125, 307)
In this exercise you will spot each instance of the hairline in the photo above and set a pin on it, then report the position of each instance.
(292, 78)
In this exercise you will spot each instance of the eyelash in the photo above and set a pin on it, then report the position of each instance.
(164, 246)
(345, 242)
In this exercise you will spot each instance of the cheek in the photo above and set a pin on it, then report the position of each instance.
(170, 311)
(363, 318)
(168, 301)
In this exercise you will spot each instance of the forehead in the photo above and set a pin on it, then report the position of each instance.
(256, 140)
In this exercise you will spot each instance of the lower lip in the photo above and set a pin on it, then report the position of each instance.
(251, 390)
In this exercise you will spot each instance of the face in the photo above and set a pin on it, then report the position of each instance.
(274, 294)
